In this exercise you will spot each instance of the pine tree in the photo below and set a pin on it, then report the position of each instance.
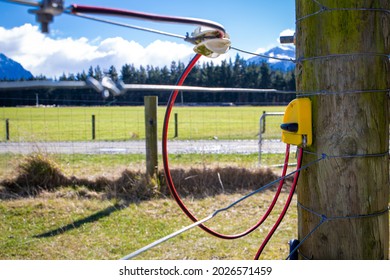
(113, 74)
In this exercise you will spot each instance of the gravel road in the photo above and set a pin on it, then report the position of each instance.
(136, 147)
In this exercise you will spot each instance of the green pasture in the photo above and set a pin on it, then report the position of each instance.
(33, 124)
(74, 222)
(72, 228)
(65, 226)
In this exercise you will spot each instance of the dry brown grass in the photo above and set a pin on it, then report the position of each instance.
(38, 173)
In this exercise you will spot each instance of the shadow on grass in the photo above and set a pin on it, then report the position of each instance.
(90, 219)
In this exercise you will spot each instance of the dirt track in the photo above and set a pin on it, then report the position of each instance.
(138, 147)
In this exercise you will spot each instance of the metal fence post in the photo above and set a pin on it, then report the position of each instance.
(262, 130)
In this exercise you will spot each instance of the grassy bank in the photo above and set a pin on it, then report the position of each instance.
(112, 165)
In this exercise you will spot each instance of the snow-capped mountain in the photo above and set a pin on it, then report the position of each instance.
(284, 52)
(12, 70)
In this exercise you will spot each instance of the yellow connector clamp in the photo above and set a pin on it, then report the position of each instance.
(297, 123)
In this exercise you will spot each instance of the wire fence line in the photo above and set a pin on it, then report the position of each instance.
(119, 131)
(45, 124)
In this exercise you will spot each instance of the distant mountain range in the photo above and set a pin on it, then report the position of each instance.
(284, 52)
(12, 70)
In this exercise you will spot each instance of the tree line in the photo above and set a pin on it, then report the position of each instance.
(234, 74)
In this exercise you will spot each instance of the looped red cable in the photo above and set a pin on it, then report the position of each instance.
(285, 208)
(169, 179)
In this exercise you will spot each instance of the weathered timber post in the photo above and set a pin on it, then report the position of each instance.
(342, 63)
(176, 125)
(93, 121)
(7, 137)
(151, 135)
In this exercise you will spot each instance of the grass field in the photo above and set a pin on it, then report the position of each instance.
(64, 225)
(33, 124)
(76, 222)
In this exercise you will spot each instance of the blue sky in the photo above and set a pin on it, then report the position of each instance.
(75, 43)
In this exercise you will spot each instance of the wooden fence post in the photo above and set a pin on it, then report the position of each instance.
(93, 127)
(7, 129)
(151, 138)
(176, 125)
(342, 61)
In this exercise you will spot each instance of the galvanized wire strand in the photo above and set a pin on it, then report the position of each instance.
(305, 238)
(27, 85)
(150, 30)
(345, 92)
(326, 156)
(358, 216)
(166, 238)
(264, 56)
(23, 2)
(369, 54)
(141, 87)
(324, 218)
(323, 9)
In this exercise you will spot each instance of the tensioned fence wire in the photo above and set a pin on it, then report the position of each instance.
(113, 132)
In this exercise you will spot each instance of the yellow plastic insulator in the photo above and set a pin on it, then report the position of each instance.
(297, 123)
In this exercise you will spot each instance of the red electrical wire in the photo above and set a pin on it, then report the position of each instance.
(286, 206)
(168, 176)
(144, 16)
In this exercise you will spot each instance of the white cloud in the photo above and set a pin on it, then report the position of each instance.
(262, 50)
(41, 54)
(287, 32)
